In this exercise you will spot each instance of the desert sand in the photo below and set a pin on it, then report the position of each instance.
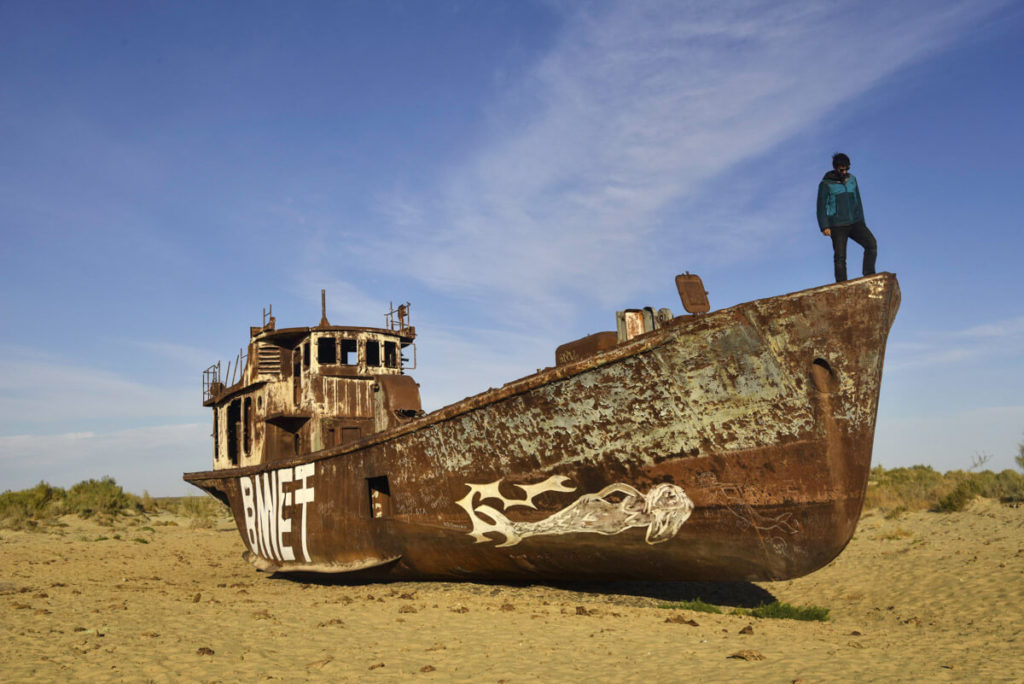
(926, 597)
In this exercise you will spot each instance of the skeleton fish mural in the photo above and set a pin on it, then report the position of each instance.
(616, 508)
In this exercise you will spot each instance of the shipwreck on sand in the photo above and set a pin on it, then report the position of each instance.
(716, 446)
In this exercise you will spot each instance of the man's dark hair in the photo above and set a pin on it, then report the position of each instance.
(840, 159)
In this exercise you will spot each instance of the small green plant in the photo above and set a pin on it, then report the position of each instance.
(896, 534)
(896, 513)
(147, 502)
(785, 611)
(202, 510)
(696, 605)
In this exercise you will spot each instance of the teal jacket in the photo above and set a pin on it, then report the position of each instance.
(838, 201)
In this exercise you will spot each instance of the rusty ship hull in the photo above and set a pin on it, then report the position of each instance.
(731, 446)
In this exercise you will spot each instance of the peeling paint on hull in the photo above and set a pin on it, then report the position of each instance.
(763, 413)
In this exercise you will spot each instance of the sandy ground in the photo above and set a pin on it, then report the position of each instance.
(928, 597)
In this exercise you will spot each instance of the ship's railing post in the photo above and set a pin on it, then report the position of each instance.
(211, 381)
(398, 319)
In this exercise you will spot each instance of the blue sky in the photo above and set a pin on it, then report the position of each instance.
(517, 170)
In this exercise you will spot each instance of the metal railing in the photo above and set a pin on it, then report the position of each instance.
(214, 383)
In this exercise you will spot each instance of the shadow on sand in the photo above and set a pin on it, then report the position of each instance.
(733, 594)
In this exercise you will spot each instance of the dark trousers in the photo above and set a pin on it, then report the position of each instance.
(859, 233)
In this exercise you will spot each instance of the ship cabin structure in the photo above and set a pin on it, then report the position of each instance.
(299, 390)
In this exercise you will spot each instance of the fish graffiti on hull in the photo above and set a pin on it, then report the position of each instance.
(265, 497)
(614, 509)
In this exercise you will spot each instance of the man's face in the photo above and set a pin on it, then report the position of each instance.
(843, 169)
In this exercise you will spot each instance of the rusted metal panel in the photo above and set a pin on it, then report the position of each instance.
(347, 397)
(730, 446)
(692, 293)
(634, 322)
(585, 346)
(396, 401)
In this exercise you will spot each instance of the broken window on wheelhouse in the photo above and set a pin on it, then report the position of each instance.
(391, 355)
(372, 353)
(349, 353)
(326, 350)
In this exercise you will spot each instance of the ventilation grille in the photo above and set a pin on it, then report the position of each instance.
(268, 359)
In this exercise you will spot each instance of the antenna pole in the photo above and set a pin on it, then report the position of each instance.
(323, 309)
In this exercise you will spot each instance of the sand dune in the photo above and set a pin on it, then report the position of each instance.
(928, 597)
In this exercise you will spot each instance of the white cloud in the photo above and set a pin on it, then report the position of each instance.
(150, 458)
(635, 109)
(1008, 330)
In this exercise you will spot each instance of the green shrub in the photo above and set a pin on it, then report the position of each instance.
(922, 488)
(1005, 486)
(697, 605)
(100, 496)
(147, 502)
(40, 502)
(203, 510)
(28, 507)
(785, 611)
(44, 503)
(914, 488)
(958, 499)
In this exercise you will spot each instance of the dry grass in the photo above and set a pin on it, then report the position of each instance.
(921, 488)
(42, 506)
(202, 511)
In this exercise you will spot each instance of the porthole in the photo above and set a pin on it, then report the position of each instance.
(824, 376)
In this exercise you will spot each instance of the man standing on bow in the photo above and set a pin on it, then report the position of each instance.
(841, 216)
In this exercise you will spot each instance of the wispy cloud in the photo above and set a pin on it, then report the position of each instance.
(150, 458)
(634, 111)
(41, 390)
(1011, 329)
(460, 360)
(1003, 338)
(180, 355)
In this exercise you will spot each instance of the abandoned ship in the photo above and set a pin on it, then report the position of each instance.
(728, 445)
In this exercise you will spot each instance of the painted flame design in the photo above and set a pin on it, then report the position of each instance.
(614, 509)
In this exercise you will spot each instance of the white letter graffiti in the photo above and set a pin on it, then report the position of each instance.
(304, 496)
(266, 513)
(268, 509)
(284, 525)
(248, 509)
